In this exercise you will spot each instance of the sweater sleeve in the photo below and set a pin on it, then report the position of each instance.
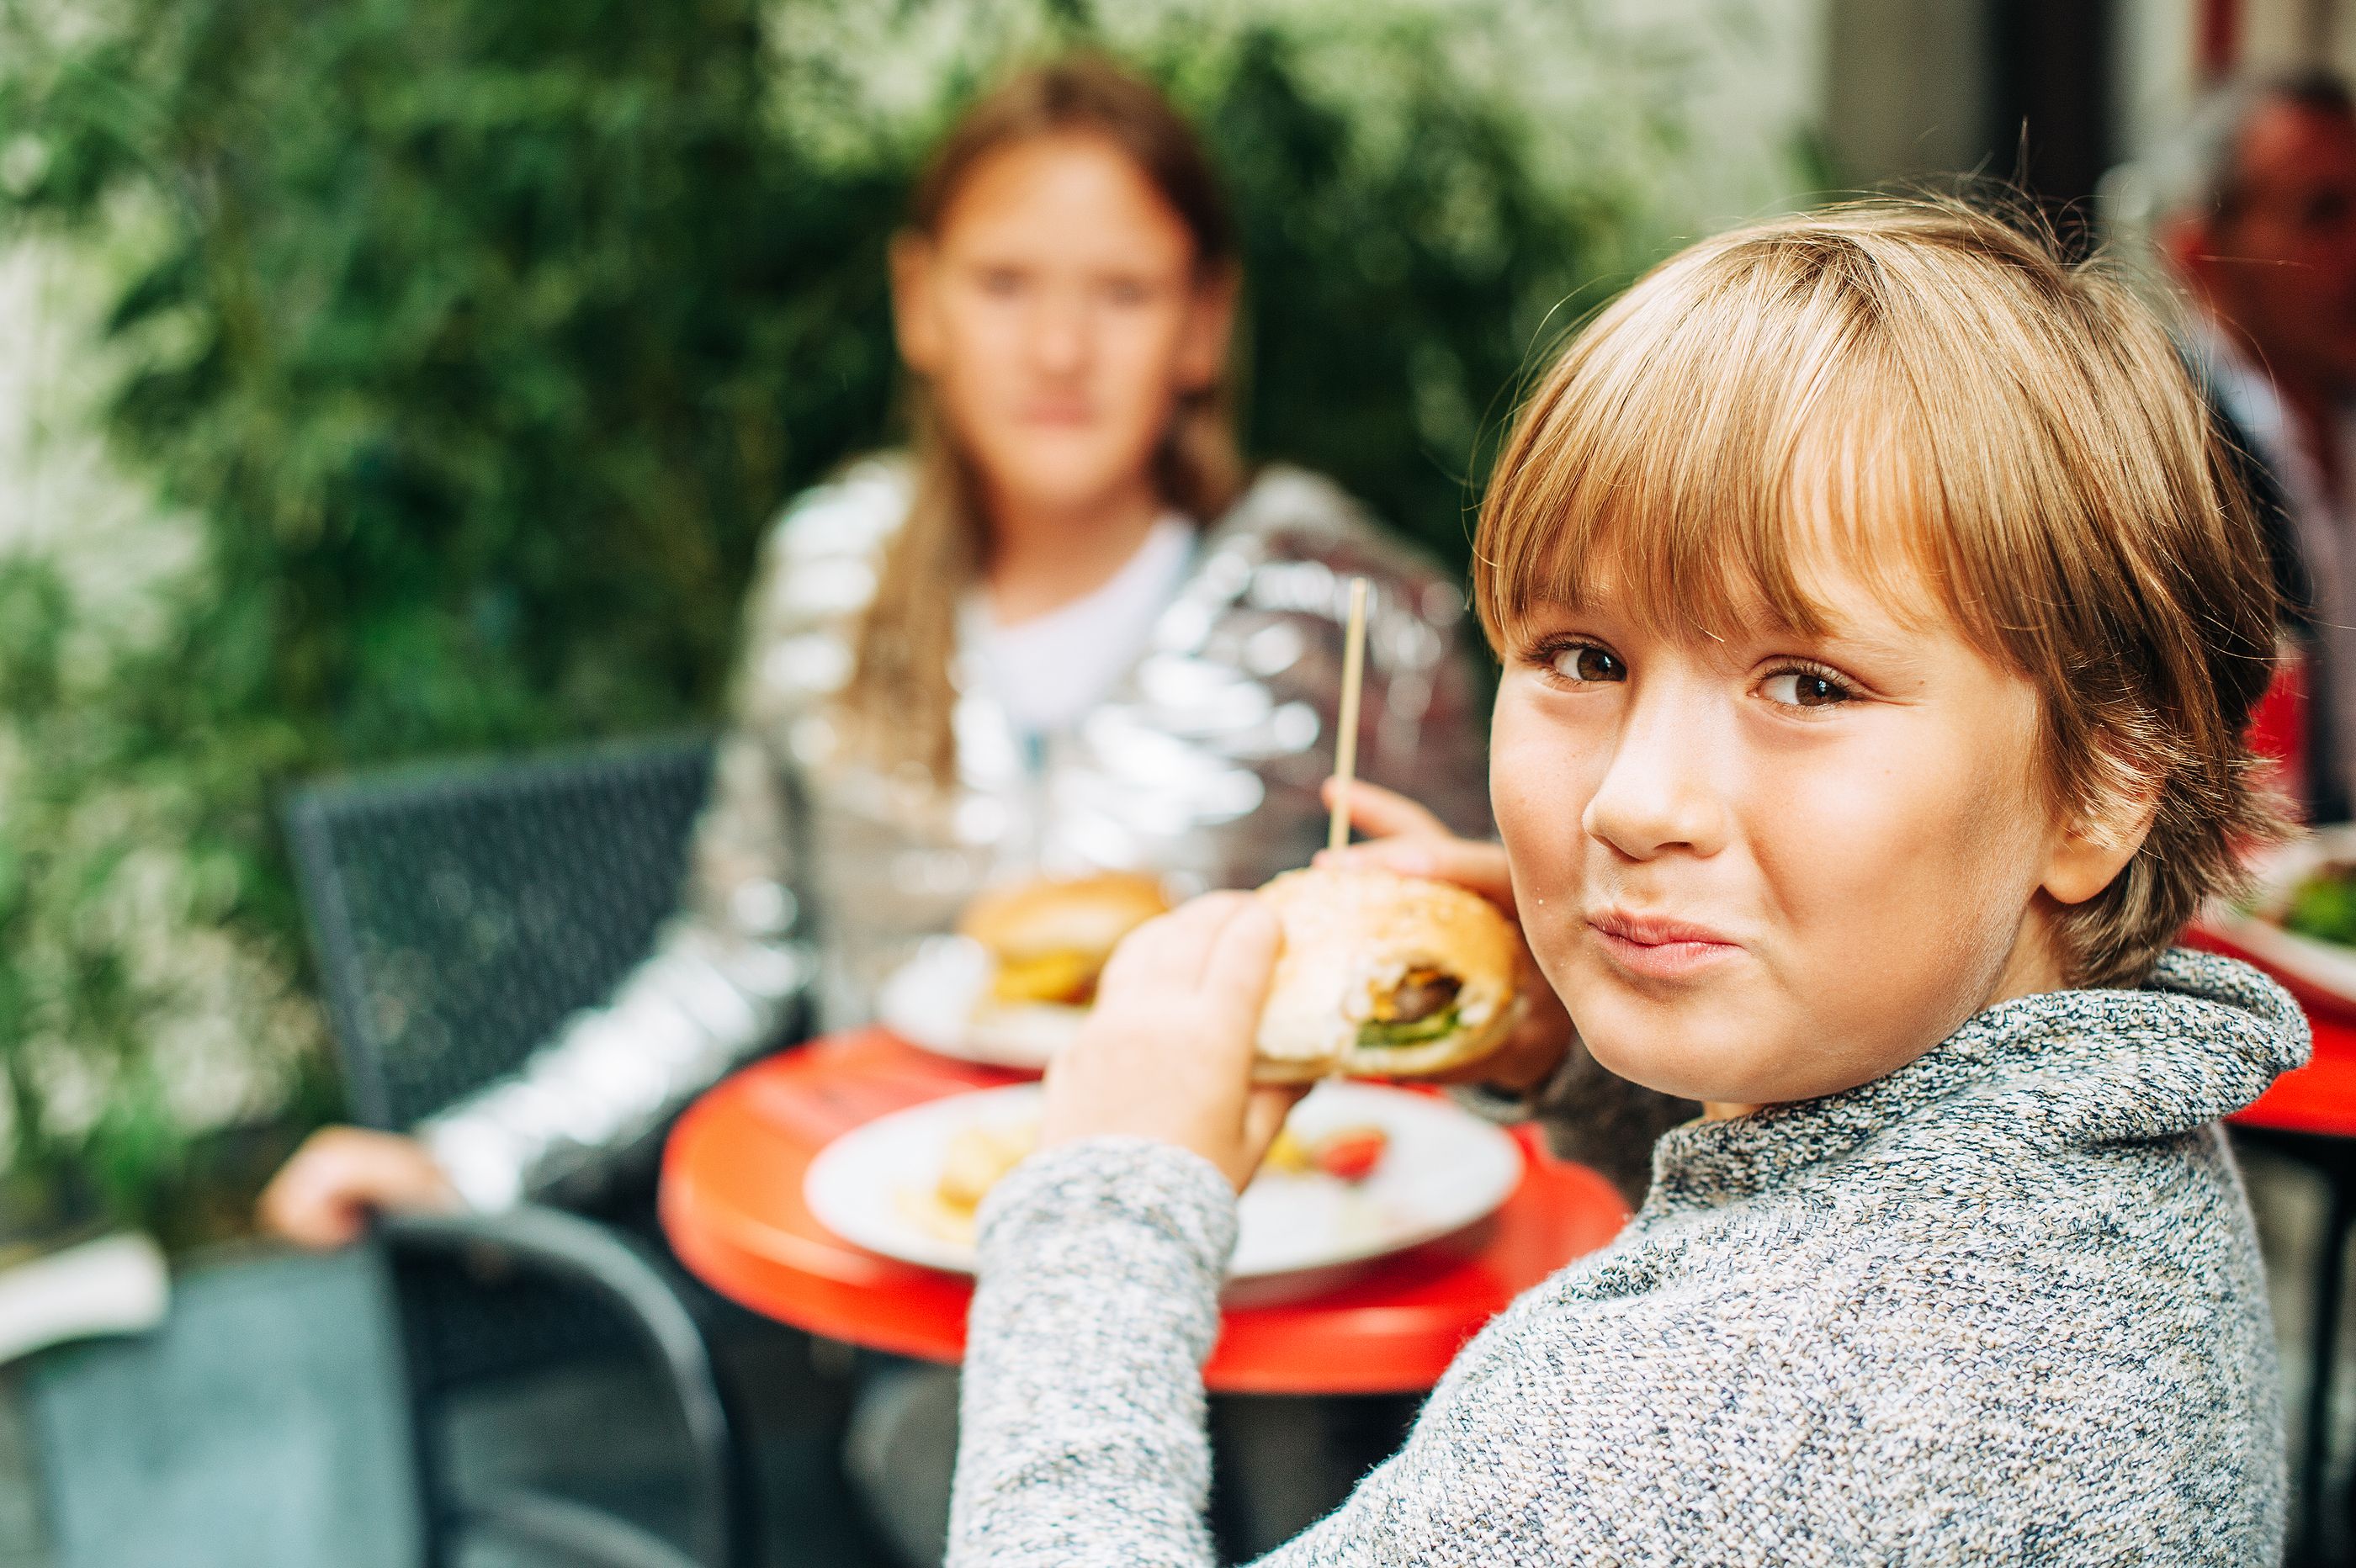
(1569, 1432)
(1081, 1420)
(1082, 1438)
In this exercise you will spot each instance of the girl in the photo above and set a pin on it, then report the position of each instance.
(1879, 625)
(1065, 631)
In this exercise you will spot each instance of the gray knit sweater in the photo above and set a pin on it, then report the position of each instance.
(2003, 1306)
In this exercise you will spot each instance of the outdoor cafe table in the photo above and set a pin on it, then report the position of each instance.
(2310, 1115)
(732, 1204)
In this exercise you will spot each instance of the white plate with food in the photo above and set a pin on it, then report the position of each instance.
(1361, 1172)
(2300, 920)
(1011, 988)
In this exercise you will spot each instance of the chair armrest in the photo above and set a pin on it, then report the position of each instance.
(573, 1251)
(573, 1532)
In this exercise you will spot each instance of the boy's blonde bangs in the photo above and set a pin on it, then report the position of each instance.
(1709, 450)
(1928, 398)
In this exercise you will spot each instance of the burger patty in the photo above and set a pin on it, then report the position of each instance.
(1419, 994)
(1417, 1010)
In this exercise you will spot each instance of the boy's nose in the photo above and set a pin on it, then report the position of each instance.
(1657, 791)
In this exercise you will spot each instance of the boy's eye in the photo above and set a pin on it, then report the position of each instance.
(1586, 662)
(1804, 688)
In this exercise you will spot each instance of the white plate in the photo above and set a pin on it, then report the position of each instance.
(1444, 1170)
(930, 1001)
(2325, 965)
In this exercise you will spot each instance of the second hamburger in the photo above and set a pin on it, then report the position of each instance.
(1049, 937)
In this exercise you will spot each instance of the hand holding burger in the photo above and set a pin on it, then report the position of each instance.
(1351, 966)
(1166, 1053)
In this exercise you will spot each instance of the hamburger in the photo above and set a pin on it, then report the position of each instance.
(1049, 938)
(1383, 976)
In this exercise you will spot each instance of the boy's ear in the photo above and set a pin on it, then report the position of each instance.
(2092, 852)
(1210, 326)
(912, 326)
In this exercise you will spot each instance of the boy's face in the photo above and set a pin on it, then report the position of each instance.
(1775, 867)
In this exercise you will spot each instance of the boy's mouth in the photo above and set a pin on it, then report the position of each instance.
(1657, 948)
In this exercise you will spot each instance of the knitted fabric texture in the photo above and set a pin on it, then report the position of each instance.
(2002, 1306)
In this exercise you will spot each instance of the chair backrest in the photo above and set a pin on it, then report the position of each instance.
(459, 914)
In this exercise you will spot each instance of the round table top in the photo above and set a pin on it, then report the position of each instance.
(731, 1204)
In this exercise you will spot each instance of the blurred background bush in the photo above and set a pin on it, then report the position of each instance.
(395, 378)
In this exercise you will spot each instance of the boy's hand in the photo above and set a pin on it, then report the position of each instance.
(1166, 1053)
(1408, 839)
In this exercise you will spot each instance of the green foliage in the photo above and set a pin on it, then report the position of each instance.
(1393, 303)
(103, 791)
(482, 338)
(493, 334)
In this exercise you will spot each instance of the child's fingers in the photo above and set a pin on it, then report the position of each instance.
(1264, 1115)
(1470, 863)
(1381, 813)
(1168, 951)
(1235, 976)
(1134, 960)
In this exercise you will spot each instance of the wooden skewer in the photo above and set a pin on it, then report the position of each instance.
(1345, 744)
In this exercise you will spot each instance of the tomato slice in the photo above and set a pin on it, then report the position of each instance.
(1352, 1153)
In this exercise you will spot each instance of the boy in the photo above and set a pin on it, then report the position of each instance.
(1880, 623)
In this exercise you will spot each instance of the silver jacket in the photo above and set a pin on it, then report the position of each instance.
(814, 874)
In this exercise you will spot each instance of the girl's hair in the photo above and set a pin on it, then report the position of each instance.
(1932, 391)
(900, 700)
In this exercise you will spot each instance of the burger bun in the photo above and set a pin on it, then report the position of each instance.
(1369, 954)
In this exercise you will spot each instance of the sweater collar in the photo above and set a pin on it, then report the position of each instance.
(2201, 1038)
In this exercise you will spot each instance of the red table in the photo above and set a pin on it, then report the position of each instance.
(2320, 1097)
(732, 1202)
(2309, 1113)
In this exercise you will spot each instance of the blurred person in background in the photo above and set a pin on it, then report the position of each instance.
(1065, 630)
(2262, 235)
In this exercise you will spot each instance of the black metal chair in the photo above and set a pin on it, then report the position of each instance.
(460, 915)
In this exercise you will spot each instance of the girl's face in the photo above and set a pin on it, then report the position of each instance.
(1775, 867)
(1058, 314)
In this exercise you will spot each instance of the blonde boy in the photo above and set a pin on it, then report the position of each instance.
(1878, 625)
